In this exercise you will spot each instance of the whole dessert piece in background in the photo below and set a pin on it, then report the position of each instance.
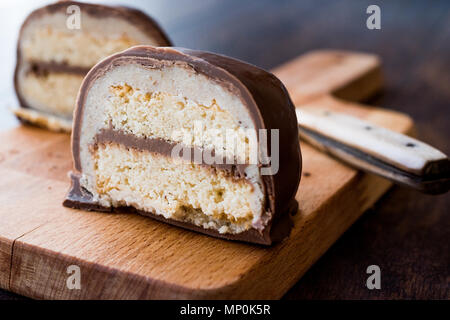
(57, 46)
(137, 109)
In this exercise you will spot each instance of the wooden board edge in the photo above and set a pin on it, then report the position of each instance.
(353, 84)
(6, 247)
(43, 274)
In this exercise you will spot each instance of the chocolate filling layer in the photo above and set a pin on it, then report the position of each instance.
(41, 68)
(161, 146)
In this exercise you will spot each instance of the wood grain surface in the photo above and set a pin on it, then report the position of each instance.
(406, 234)
(124, 256)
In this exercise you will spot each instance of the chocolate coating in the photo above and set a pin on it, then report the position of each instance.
(266, 100)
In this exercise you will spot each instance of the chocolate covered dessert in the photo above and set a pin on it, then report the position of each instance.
(57, 46)
(192, 138)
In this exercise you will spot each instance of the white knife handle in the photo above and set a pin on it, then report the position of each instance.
(374, 149)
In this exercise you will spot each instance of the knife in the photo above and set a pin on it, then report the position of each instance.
(399, 158)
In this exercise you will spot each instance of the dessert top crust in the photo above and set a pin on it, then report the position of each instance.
(133, 16)
(262, 94)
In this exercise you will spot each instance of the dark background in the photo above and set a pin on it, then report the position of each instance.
(406, 233)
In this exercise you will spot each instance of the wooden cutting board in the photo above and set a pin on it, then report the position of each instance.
(132, 257)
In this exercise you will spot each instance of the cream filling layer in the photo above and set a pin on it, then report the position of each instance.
(179, 119)
(175, 189)
(73, 47)
(53, 93)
